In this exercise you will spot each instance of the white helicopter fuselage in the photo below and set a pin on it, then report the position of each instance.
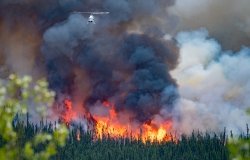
(91, 19)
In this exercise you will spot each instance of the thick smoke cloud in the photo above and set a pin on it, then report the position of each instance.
(124, 58)
(226, 20)
(25, 21)
(127, 67)
(213, 85)
(19, 43)
(146, 58)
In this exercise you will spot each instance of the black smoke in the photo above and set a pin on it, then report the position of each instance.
(126, 65)
(123, 58)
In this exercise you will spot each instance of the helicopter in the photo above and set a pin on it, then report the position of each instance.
(91, 18)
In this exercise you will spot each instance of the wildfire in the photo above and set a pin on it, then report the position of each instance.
(110, 126)
(78, 135)
(68, 114)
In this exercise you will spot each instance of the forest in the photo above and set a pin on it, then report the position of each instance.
(82, 145)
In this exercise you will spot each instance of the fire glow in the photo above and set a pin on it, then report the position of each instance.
(68, 114)
(110, 125)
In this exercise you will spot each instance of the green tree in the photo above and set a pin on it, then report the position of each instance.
(240, 148)
(16, 94)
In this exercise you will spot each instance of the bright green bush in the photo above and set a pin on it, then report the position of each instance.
(240, 147)
(15, 95)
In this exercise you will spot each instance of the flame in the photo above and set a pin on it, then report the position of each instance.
(152, 133)
(78, 135)
(68, 115)
(109, 125)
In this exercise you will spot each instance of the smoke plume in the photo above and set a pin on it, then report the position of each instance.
(121, 63)
(129, 58)
(226, 20)
(213, 85)
(133, 72)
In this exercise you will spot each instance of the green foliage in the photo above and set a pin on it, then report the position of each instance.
(28, 141)
(15, 95)
(88, 147)
(239, 149)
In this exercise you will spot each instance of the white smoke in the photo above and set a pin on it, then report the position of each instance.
(214, 85)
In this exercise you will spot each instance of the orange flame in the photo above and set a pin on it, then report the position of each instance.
(110, 125)
(68, 114)
(78, 135)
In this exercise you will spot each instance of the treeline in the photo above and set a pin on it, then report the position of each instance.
(82, 145)
(195, 147)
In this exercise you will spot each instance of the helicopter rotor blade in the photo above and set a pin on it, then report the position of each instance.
(100, 12)
(92, 12)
